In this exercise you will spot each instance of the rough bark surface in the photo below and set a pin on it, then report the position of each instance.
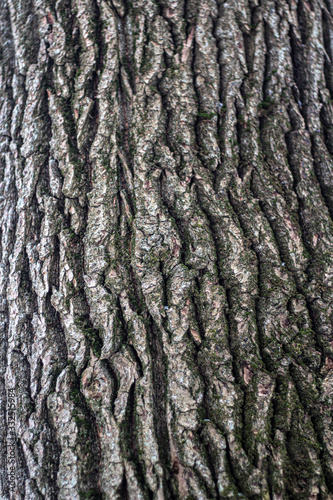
(166, 278)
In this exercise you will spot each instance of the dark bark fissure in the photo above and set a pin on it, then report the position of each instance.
(159, 371)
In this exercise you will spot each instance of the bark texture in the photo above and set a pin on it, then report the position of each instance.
(166, 278)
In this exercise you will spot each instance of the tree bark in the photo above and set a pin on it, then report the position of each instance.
(166, 234)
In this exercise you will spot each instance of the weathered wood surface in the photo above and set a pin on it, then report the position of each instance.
(166, 235)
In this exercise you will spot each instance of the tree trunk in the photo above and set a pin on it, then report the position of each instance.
(166, 278)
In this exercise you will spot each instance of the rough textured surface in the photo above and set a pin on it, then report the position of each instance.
(166, 203)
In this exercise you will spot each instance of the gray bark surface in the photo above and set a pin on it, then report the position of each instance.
(166, 243)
